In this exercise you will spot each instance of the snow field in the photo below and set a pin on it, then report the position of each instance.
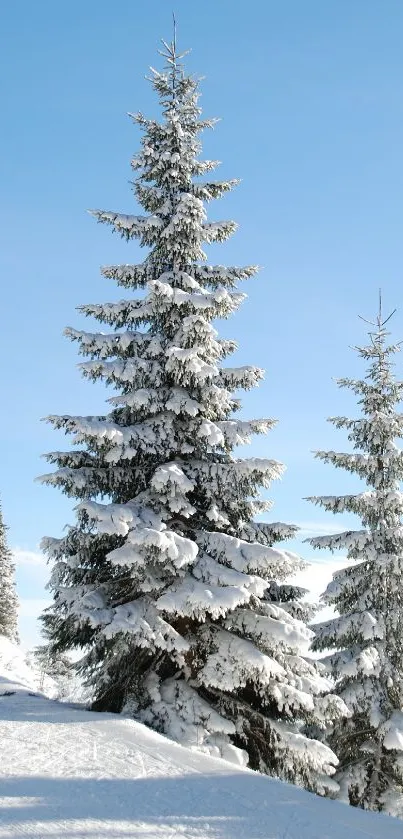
(67, 773)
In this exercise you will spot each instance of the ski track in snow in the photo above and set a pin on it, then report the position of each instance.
(67, 773)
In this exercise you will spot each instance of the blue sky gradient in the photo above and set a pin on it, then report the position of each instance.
(310, 96)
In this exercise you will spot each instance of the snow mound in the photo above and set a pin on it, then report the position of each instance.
(72, 774)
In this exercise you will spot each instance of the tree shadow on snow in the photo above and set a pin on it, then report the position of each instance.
(193, 805)
(28, 706)
(233, 806)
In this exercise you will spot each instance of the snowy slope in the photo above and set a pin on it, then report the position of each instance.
(66, 773)
(16, 674)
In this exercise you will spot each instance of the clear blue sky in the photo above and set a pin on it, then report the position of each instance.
(310, 95)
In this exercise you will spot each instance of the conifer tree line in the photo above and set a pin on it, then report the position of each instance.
(169, 581)
(8, 596)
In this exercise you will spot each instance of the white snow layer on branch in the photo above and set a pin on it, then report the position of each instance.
(145, 533)
(141, 621)
(192, 598)
(236, 662)
(248, 557)
(270, 631)
(127, 224)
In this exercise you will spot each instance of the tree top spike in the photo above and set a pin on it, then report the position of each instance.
(170, 50)
(379, 322)
(174, 38)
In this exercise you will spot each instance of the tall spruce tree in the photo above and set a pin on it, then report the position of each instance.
(177, 594)
(8, 597)
(367, 636)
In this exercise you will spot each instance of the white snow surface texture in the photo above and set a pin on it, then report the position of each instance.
(69, 773)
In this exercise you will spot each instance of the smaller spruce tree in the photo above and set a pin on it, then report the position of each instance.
(367, 635)
(8, 597)
(58, 667)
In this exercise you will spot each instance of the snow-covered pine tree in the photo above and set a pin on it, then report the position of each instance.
(367, 634)
(57, 671)
(8, 597)
(177, 594)
(44, 659)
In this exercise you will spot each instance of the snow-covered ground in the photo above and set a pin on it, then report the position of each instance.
(67, 773)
